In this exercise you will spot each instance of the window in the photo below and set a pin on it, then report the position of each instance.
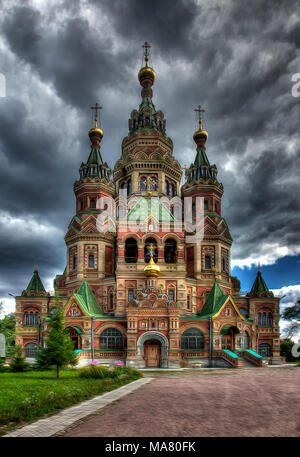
(170, 251)
(74, 262)
(148, 183)
(30, 350)
(264, 349)
(207, 262)
(190, 261)
(188, 302)
(244, 312)
(91, 261)
(111, 339)
(192, 339)
(171, 294)
(92, 203)
(223, 264)
(131, 250)
(111, 301)
(31, 318)
(205, 204)
(147, 250)
(129, 187)
(130, 294)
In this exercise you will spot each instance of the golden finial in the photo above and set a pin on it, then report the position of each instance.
(96, 108)
(146, 47)
(151, 269)
(95, 133)
(199, 110)
(200, 136)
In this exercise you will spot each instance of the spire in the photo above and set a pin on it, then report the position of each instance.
(260, 288)
(146, 117)
(35, 286)
(201, 169)
(95, 166)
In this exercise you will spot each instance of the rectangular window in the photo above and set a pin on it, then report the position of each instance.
(207, 262)
(171, 294)
(188, 302)
(130, 294)
(91, 261)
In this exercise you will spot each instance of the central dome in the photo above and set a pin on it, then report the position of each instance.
(151, 269)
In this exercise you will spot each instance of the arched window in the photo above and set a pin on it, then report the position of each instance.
(244, 312)
(131, 250)
(264, 349)
(264, 320)
(74, 262)
(259, 320)
(111, 339)
(207, 262)
(170, 250)
(26, 318)
(36, 319)
(245, 342)
(192, 339)
(30, 350)
(111, 301)
(92, 203)
(269, 320)
(147, 250)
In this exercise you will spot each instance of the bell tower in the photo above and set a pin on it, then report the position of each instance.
(210, 258)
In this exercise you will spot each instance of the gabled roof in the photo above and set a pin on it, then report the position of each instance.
(214, 302)
(260, 288)
(150, 207)
(87, 300)
(35, 286)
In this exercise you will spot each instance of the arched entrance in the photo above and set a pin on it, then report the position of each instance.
(75, 335)
(152, 353)
(228, 337)
(154, 338)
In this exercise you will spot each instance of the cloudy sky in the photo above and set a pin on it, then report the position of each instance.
(235, 58)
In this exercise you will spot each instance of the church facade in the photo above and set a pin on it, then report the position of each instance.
(148, 275)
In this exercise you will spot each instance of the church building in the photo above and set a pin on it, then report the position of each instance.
(148, 275)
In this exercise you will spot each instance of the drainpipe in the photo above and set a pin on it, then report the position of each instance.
(257, 338)
(93, 349)
(210, 344)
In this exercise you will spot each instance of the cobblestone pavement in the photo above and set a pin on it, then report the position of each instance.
(239, 402)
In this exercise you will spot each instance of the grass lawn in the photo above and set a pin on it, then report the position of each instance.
(30, 395)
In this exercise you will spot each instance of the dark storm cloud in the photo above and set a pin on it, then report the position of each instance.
(235, 58)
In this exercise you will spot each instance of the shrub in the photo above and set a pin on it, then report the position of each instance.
(121, 371)
(2, 366)
(18, 361)
(94, 371)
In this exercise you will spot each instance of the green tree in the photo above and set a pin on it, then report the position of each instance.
(8, 328)
(292, 314)
(18, 361)
(59, 350)
(286, 346)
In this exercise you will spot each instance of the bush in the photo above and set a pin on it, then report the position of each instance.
(18, 361)
(94, 371)
(2, 367)
(101, 372)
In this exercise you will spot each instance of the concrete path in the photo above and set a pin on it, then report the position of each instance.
(237, 402)
(60, 421)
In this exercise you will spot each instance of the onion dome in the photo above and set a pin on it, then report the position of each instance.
(200, 136)
(151, 269)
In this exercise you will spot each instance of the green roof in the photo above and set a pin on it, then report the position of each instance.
(150, 206)
(214, 302)
(88, 301)
(35, 284)
(259, 286)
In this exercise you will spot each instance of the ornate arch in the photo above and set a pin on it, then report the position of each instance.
(152, 335)
(98, 330)
(194, 325)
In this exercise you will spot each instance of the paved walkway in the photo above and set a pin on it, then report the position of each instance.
(238, 402)
(60, 421)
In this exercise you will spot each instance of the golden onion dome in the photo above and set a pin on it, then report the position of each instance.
(95, 131)
(200, 135)
(151, 269)
(146, 73)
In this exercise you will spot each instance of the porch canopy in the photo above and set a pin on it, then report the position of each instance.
(225, 329)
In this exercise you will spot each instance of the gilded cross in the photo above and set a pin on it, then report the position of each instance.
(199, 110)
(96, 108)
(151, 248)
(149, 183)
(146, 47)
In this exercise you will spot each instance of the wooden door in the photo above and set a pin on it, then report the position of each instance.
(152, 354)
